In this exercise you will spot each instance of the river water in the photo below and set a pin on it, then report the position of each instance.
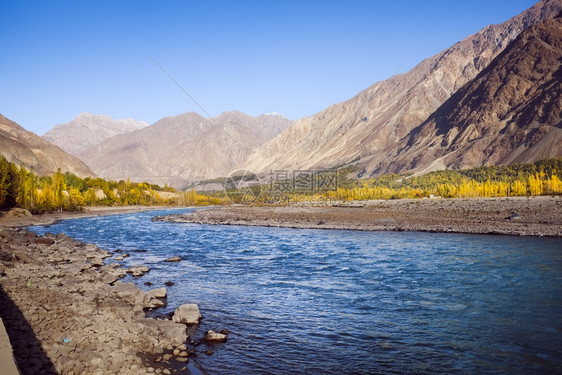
(300, 301)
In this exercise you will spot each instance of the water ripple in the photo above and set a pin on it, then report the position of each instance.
(333, 302)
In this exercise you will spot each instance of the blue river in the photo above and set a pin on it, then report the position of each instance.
(300, 301)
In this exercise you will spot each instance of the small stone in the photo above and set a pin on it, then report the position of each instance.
(169, 283)
(513, 216)
(138, 270)
(96, 362)
(215, 336)
(96, 262)
(174, 259)
(209, 352)
(176, 352)
(155, 303)
(44, 241)
(182, 359)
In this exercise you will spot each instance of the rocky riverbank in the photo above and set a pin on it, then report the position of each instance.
(521, 216)
(19, 217)
(67, 311)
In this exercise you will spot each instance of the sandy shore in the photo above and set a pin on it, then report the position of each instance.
(66, 311)
(521, 216)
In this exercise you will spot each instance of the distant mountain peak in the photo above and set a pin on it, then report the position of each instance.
(87, 130)
(177, 150)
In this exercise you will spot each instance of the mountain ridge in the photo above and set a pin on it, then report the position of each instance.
(27, 149)
(177, 150)
(359, 131)
(510, 113)
(87, 130)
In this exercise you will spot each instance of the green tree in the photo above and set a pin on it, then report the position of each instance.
(6, 180)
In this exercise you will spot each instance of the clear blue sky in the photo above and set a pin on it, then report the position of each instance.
(61, 58)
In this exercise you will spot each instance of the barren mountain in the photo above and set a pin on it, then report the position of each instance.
(511, 112)
(87, 130)
(181, 149)
(363, 129)
(25, 148)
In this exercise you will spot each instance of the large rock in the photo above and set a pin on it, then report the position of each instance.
(111, 275)
(158, 292)
(187, 314)
(174, 332)
(130, 293)
(174, 259)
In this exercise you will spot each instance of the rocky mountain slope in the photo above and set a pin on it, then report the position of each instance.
(181, 149)
(511, 112)
(366, 128)
(87, 130)
(25, 148)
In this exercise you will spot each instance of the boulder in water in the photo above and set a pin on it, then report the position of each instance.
(215, 336)
(138, 270)
(187, 314)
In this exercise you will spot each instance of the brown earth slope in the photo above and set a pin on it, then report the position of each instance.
(510, 113)
(27, 149)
